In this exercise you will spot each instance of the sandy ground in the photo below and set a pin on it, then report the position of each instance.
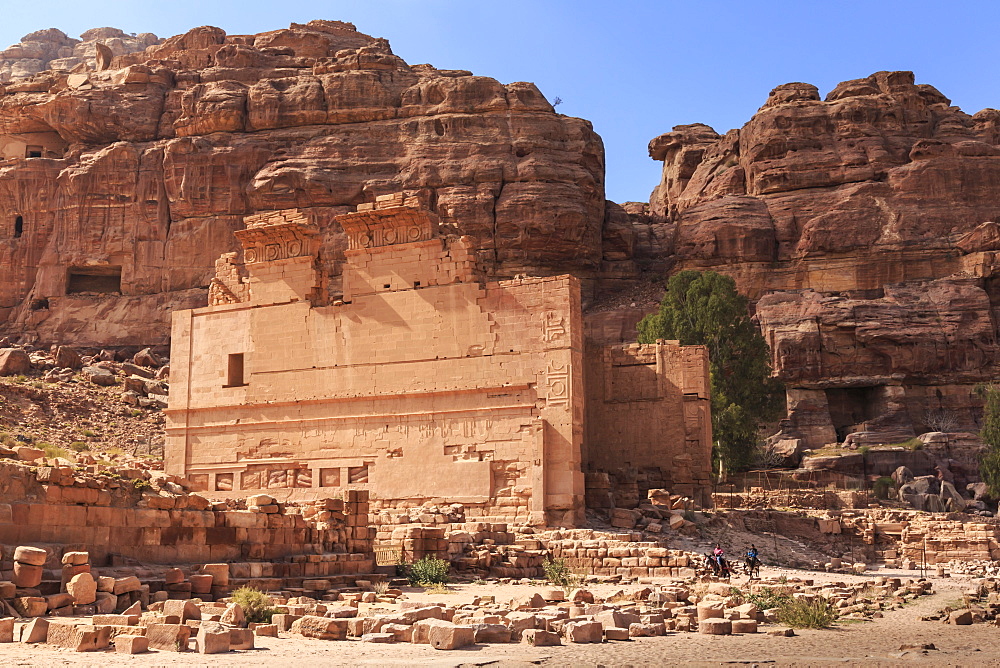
(875, 643)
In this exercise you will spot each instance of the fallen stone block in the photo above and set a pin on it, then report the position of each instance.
(451, 636)
(134, 609)
(116, 620)
(284, 621)
(30, 606)
(583, 632)
(311, 626)
(961, 617)
(219, 573)
(125, 585)
(782, 633)
(265, 630)
(234, 616)
(491, 633)
(540, 638)
(7, 629)
(378, 637)
(56, 601)
(185, 609)
(241, 639)
(744, 626)
(35, 631)
(715, 627)
(422, 630)
(169, 637)
(212, 638)
(615, 633)
(79, 638)
(401, 632)
(83, 588)
(130, 644)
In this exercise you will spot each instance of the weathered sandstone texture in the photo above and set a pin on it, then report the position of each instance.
(864, 227)
(124, 181)
(52, 50)
(418, 380)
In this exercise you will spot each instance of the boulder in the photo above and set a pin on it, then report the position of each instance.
(14, 361)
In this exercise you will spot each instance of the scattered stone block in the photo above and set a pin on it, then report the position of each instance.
(422, 630)
(451, 636)
(35, 631)
(616, 633)
(130, 644)
(7, 629)
(212, 638)
(782, 633)
(241, 639)
(540, 638)
(126, 585)
(584, 632)
(284, 621)
(184, 609)
(491, 633)
(553, 595)
(234, 616)
(79, 638)
(715, 627)
(744, 626)
(266, 630)
(219, 573)
(30, 606)
(961, 617)
(378, 637)
(323, 628)
(83, 589)
(169, 637)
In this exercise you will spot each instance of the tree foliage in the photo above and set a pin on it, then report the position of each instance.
(989, 465)
(705, 308)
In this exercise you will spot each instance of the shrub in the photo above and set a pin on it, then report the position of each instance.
(558, 573)
(53, 450)
(79, 446)
(427, 571)
(883, 486)
(804, 614)
(255, 603)
(766, 598)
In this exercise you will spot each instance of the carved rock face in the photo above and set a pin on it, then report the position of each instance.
(152, 162)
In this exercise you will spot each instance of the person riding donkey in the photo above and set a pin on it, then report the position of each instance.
(752, 561)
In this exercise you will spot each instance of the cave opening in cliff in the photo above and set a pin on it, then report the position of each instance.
(102, 280)
(18, 226)
(850, 408)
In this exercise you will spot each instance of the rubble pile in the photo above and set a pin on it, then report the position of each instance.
(980, 604)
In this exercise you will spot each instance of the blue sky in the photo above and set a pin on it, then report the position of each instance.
(635, 69)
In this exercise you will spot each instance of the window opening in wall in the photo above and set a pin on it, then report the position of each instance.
(234, 372)
(18, 226)
(102, 280)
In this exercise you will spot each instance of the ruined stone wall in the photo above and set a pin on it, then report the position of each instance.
(648, 408)
(49, 505)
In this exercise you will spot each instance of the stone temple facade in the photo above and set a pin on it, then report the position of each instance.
(421, 382)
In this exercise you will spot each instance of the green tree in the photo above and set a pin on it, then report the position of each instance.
(989, 465)
(705, 308)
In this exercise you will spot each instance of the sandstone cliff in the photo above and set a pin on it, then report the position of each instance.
(864, 226)
(123, 181)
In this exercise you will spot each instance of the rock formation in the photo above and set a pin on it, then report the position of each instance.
(122, 186)
(52, 50)
(863, 225)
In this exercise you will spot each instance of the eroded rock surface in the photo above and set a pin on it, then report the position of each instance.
(122, 186)
(864, 225)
